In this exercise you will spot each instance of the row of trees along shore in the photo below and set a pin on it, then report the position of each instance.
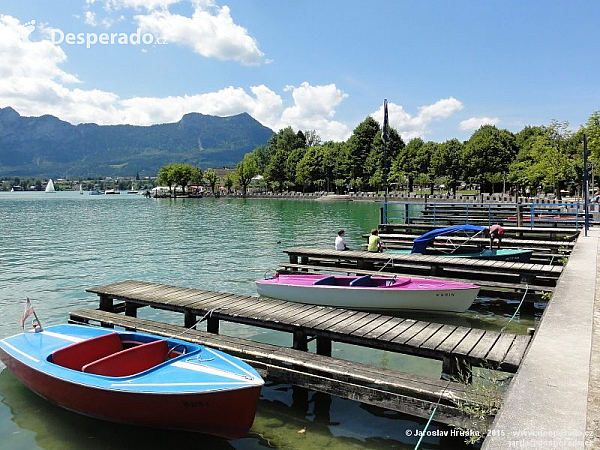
(548, 157)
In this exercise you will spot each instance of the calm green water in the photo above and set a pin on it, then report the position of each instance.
(54, 246)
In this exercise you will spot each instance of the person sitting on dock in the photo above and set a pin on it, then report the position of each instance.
(374, 241)
(340, 241)
(496, 231)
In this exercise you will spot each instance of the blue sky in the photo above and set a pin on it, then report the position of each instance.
(446, 67)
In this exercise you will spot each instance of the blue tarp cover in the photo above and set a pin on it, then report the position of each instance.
(420, 243)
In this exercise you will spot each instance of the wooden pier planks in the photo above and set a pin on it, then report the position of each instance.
(419, 338)
(465, 269)
(390, 389)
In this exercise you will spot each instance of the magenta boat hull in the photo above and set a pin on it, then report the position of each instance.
(385, 294)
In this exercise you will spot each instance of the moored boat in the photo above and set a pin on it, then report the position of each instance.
(370, 292)
(136, 378)
(424, 245)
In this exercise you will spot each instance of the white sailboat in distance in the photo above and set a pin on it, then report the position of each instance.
(50, 186)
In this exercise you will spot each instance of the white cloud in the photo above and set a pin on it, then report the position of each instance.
(210, 32)
(32, 82)
(110, 5)
(90, 18)
(411, 127)
(314, 106)
(475, 122)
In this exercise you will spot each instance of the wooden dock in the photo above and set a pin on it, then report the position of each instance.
(465, 269)
(544, 251)
(447, 343)
(456, 346)
(397, 391)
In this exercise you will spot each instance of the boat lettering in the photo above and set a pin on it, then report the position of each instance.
(444, 294)
(195, 404)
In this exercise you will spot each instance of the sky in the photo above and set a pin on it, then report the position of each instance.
(445, 67)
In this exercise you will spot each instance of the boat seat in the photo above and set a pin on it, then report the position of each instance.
(130, 361)
(77, 355)
(364, 281)
(330, 281)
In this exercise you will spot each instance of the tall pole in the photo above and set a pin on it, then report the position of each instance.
(385, 138)
(585, 187)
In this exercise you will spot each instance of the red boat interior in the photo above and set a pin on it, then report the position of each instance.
(108, 355)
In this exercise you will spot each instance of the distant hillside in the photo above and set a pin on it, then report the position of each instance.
(49, 147)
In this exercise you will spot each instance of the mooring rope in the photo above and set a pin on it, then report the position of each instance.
(431, 416)
(208, 314)
(517, 310)
(391, 260)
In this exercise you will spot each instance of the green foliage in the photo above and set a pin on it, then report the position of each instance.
(211, 178)
(483, 398)
(245, 171)
(179, 175)
(360, 144)
(447, 162)
(488, 151)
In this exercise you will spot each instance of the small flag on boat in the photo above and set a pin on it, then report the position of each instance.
(26, 312)
(384, 131)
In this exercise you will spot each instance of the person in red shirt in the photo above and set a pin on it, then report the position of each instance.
(496, 232)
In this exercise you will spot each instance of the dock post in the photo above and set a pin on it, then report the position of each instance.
(189, 319)
(293, 259)
(323, 346)
(130, 310)
(456, 368)
(212, 325)
(300, 341)
(106, 303)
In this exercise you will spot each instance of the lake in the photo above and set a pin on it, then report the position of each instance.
(54, 246)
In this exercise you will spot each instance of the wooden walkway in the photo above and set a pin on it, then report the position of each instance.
(453, 345)
(473, 270)
(397, 391)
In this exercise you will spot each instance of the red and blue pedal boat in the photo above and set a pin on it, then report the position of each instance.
(136, 378)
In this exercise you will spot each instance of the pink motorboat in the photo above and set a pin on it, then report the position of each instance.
(370, 292)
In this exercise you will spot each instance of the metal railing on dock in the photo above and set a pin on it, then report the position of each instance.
(530, 215)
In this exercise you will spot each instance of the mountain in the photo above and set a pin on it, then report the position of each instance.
(49, 147)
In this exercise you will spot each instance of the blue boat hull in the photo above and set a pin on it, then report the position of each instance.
(194, 388)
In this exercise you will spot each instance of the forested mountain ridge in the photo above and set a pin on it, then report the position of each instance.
(46, 146)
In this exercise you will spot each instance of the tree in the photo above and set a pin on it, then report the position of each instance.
(229, 182)
(245, 171)
(286, 140)
(179, 175)
(447, 161)
(360, 144)
(275, 170)
(489, 151)
(374, 164)
(165, 176)
(309, 169)
(592, 131)
(291, 164)
(405, 163)
(211, 178)
(183, 174)
(312, 139)
(553, 157)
